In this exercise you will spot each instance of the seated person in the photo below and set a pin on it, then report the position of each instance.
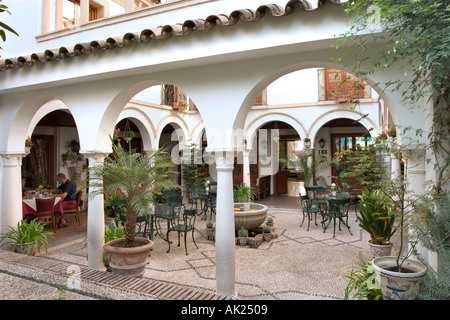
(67, 192)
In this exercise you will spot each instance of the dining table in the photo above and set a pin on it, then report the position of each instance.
(29, 207)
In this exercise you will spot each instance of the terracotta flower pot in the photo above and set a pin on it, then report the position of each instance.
(128, 261)
(399, 285)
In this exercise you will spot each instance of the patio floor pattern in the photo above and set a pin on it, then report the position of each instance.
(296, 265)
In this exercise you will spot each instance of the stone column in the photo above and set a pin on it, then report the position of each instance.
(225, 235)
(95, 220)
(11, 206)
(246, 167)
(395, 167)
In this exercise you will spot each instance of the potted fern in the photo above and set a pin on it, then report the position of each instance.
(137, 177)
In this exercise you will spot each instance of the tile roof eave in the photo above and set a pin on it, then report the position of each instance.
(158, 33)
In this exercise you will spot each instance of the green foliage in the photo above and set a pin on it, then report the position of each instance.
(431, 225)
(244, 193)
(363, 283)
(310, 165)
(137, 177)
(4, 27)
(364, 164)
(192, 169)
(377, 216)
(242, 232)
(414, 37)
(109, 204)
(114, 232)
(26, 233)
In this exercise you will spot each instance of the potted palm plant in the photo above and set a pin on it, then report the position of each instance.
(377, 217)
(27, 237)
(136, 177)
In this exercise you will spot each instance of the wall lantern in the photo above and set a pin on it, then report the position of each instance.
(322, 143)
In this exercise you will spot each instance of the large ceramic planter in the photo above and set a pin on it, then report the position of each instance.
(396, 285)
(128, 261)
(380, 250)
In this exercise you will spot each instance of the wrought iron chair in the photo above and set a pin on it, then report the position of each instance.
(337, 209)
(45, 211)
(184, 223)
(76, 210)
(314, 193)
(308, 209)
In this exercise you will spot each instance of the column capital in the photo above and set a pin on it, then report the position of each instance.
(96, 156)
(12, 159)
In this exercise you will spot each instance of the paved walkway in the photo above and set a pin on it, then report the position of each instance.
(298, 264)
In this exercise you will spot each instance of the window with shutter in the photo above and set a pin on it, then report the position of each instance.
(342, 86)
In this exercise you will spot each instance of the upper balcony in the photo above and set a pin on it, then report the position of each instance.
(65, 17)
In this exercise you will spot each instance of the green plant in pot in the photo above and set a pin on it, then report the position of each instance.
(136, 177)
(244, 193)
(27, 237)
(242, 235)
(267, 234)
(400, 276)
(377, 217)
(112, 232)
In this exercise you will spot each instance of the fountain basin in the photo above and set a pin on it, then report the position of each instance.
(249, 215)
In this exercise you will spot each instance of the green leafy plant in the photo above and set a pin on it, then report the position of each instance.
(192, 169)
(25, 234)
(310, 165)
(363, 283)
(72, 155)
(266, 229)
(377, 216)
(242, 232)
(4, 26)
(137, 177)
(244, 193)
(431, 227)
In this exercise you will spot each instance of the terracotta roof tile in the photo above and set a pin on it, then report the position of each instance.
(158, 33)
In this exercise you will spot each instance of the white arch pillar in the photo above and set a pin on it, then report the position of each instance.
(12, 190)
(96, 220)
(225, 237)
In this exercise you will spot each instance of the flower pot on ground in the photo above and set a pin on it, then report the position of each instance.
(399, 285)
(112, 232)
(377, 217)
(269, 222)
(242, 235)
(27, 237)
(209, 230)
(267, 234)
(128, 261)
(136, 177)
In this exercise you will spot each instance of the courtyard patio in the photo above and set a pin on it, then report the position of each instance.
(294, 265)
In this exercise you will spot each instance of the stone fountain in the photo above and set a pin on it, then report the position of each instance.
(249, 215)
